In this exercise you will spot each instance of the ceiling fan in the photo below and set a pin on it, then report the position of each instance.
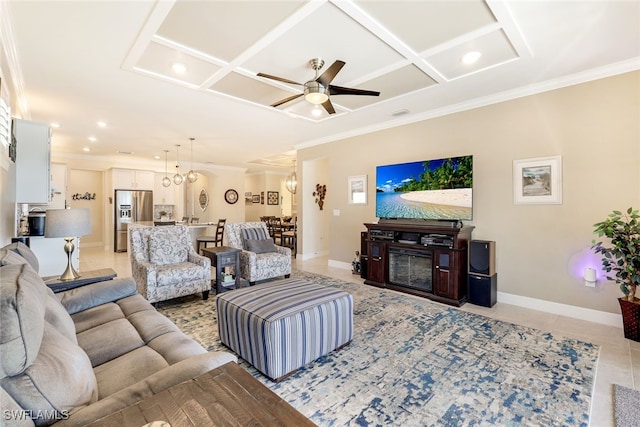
(317, 91)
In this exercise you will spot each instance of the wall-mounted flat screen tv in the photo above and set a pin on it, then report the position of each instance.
(430, 189)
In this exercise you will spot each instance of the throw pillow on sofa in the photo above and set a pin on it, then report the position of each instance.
(43, 370)
(253, 233)
(25, 252)
(261, 246)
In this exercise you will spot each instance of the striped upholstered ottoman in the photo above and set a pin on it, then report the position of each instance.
(282, 325)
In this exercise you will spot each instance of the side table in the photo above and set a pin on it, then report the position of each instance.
(224, 256)
(87, 277)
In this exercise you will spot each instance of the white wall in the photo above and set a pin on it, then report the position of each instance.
(541, 250)
(313, 226)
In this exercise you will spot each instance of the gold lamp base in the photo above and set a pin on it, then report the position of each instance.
(69, 273)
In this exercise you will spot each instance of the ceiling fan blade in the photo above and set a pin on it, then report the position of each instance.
(280, 79)
(329, 74)
(339, 90)
(291, 98)
(328, 106)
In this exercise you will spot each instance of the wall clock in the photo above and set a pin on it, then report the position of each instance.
(231, 196)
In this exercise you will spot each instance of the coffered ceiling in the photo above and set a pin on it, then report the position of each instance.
(81, 62)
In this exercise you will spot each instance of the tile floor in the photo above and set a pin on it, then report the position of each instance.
(619, 361)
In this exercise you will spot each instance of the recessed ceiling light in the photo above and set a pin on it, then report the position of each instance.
(54, 125)
(156, 157)
(92, 139)
(101, 124)
(179, 68)
(87, 149)
(471, 57)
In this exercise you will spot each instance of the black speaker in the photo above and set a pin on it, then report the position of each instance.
(482, 290)
(482, 257)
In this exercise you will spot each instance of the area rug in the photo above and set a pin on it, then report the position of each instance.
(626, 403)
(414, 362)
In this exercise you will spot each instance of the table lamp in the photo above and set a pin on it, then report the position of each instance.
(68, 223)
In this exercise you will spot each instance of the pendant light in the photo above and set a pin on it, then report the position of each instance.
(166, 181)
(177, 178)
(192, 176)
(292, 180)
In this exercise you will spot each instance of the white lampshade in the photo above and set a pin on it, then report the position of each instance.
(67, 223)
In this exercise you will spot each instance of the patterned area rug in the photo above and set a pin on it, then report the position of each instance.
(414, 362)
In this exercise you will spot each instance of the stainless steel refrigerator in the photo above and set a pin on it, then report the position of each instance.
(130, 206)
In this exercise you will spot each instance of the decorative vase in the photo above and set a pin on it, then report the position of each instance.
(630, 319)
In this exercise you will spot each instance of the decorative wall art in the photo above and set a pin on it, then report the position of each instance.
(319, 194)
(272, 197)
(85, 196)
(262, 197)
(537, 181)
(357, 190)
(231, 196)
(203, 199)
(255, 198)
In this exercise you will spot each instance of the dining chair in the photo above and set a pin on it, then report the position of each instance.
(289, 237)
(203, 241)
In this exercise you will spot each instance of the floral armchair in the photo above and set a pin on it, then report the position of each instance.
(165, 265)
(260, 258)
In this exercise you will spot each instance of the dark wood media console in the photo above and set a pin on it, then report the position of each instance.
(428, 260)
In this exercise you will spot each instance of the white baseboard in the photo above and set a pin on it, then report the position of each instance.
(304, 257)
(588, 314)
(339, 264)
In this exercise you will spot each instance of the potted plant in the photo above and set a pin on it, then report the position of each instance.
(622, 257)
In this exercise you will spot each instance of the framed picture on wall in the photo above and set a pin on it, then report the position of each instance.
(272, 197)
(255, 198)
(357, 190)
(262, 197)
(537, 181)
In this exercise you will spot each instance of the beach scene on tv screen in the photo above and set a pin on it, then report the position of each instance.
(431, 189)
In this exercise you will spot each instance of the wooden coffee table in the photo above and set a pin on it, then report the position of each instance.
(227, 395)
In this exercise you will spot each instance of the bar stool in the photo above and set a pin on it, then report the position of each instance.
(216, 239)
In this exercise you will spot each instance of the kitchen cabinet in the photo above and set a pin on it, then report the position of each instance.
(33, 161)
(58, 186)
(131, 179)
(163, 195)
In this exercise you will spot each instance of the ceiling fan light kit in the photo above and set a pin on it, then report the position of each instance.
(315, 93)
(318, 91)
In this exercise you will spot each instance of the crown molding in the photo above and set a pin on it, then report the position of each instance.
(13, 63)
(598, 73)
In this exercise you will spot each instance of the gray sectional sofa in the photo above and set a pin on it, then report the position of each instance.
(73, 357)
